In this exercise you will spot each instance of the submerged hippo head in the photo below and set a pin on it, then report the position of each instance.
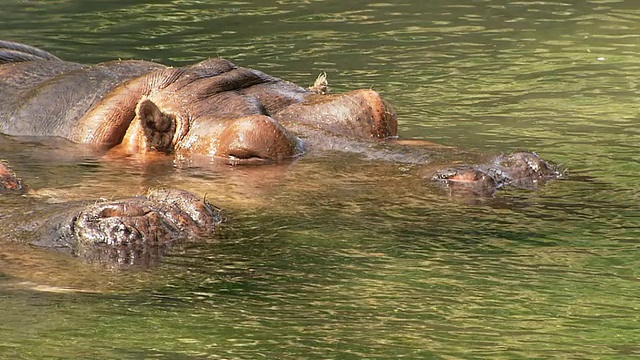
(467, 180)
(136, 230)
(523, 170)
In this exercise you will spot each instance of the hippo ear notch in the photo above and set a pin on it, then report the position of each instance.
(158, 128)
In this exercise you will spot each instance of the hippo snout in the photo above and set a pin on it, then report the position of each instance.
(522, 170)
(257, 139)
(467, 180)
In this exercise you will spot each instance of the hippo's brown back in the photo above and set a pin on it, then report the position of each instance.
(47, 98)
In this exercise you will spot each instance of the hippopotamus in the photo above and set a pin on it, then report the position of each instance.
(213, 108)
(136, 230)
(524, 170)
(9, 181)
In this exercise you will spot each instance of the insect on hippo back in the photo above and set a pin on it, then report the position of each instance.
(212, 107)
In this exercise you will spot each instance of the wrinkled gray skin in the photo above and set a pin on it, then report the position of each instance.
(137, 230)
(522, 170)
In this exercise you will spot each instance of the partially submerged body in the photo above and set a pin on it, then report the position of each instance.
(212, 108)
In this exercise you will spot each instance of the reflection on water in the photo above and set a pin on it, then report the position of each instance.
(353, 258)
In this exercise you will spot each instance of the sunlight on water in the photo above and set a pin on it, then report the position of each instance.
(345, 257)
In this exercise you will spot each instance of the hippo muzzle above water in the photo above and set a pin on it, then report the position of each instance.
(136, 230)
(523, 170)
(213, 108)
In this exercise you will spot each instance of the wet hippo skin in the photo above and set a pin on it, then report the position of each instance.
(524, 170)
(9, 181)
(136, 230)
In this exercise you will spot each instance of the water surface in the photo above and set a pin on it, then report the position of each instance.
(334, 258)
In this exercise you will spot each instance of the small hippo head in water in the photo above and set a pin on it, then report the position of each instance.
(523, 170)
(136, 230)
(9, 182)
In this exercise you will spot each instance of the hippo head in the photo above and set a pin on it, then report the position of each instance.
(522, 170)
(247, 139)
(9, 182)
(466, 180)
(136, 230)
(199, 109)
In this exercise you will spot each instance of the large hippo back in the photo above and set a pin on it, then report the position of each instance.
(48, 97)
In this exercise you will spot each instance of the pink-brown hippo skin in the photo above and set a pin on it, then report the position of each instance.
(213, 108)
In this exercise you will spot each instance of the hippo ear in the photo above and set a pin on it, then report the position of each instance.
(158, 127)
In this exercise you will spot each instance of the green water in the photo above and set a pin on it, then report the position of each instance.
(335, 259)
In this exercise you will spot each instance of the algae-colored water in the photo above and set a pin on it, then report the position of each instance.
(345, 259)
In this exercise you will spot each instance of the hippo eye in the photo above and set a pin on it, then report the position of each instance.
(243, 156)
(242, 153)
